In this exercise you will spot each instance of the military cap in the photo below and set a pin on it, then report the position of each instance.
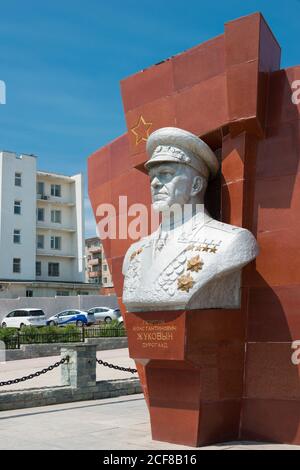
(170, 144)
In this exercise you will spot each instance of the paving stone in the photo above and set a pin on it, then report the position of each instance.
(109, 424)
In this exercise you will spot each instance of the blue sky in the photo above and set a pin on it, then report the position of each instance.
(62, 61)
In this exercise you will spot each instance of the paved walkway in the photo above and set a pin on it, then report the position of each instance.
(118, 423)
(14, 369)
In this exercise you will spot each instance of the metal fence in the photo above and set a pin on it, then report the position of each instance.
(76, 336)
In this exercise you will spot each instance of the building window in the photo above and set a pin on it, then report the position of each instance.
(56, 190)
(18, 179)
(17, 207)
(17, 265)
(105, 280)
(40, 214)
(105, 267)
(53, 269)
(62, 293)
(29, 293)
(40, 188)
(38, 268)
(17, 236)
(40, 242)
(56, 217)
(55, 243)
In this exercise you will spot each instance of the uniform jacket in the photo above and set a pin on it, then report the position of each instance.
(199, 266)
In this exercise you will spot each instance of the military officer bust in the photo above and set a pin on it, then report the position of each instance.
(192, 261)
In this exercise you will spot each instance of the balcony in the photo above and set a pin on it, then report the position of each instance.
(95, 249)
(54, 226)
(94, 262)
(94, 274)
(44, 198)
(53, 254)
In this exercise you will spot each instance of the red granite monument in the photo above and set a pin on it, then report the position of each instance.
(217, 374)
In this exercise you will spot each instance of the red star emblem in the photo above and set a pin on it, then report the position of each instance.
(141, 130)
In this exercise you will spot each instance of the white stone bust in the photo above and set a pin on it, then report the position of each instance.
(192, 261)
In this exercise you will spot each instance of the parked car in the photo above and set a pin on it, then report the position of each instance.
(69, 317)
(106, 314)
(24, 317)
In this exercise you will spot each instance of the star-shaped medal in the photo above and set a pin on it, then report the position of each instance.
(185, 282)
(195, 264)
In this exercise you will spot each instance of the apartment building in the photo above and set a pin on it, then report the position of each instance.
(41, 230)
(93, 255)
(107, 282)
(97, 269)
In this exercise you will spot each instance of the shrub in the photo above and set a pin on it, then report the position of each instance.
(58, 334)
(6, 333)
(50, 334)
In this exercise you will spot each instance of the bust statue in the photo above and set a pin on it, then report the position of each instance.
(191, 261)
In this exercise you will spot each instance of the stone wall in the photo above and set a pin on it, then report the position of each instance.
(30, 351)
(55, 395)
(52, 305)
(78, 382)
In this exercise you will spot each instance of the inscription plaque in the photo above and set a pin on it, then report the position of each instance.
(153, 338)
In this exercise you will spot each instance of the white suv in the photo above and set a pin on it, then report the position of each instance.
(24, 317)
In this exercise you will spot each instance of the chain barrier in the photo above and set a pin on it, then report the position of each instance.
(59, 363)
(113, 366)
(35, 374)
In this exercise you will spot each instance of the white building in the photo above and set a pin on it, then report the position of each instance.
(41, 230)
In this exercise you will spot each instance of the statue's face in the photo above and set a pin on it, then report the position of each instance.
(171, 183)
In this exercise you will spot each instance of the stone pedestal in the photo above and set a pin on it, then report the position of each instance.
(80, 371)
(193, 372)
